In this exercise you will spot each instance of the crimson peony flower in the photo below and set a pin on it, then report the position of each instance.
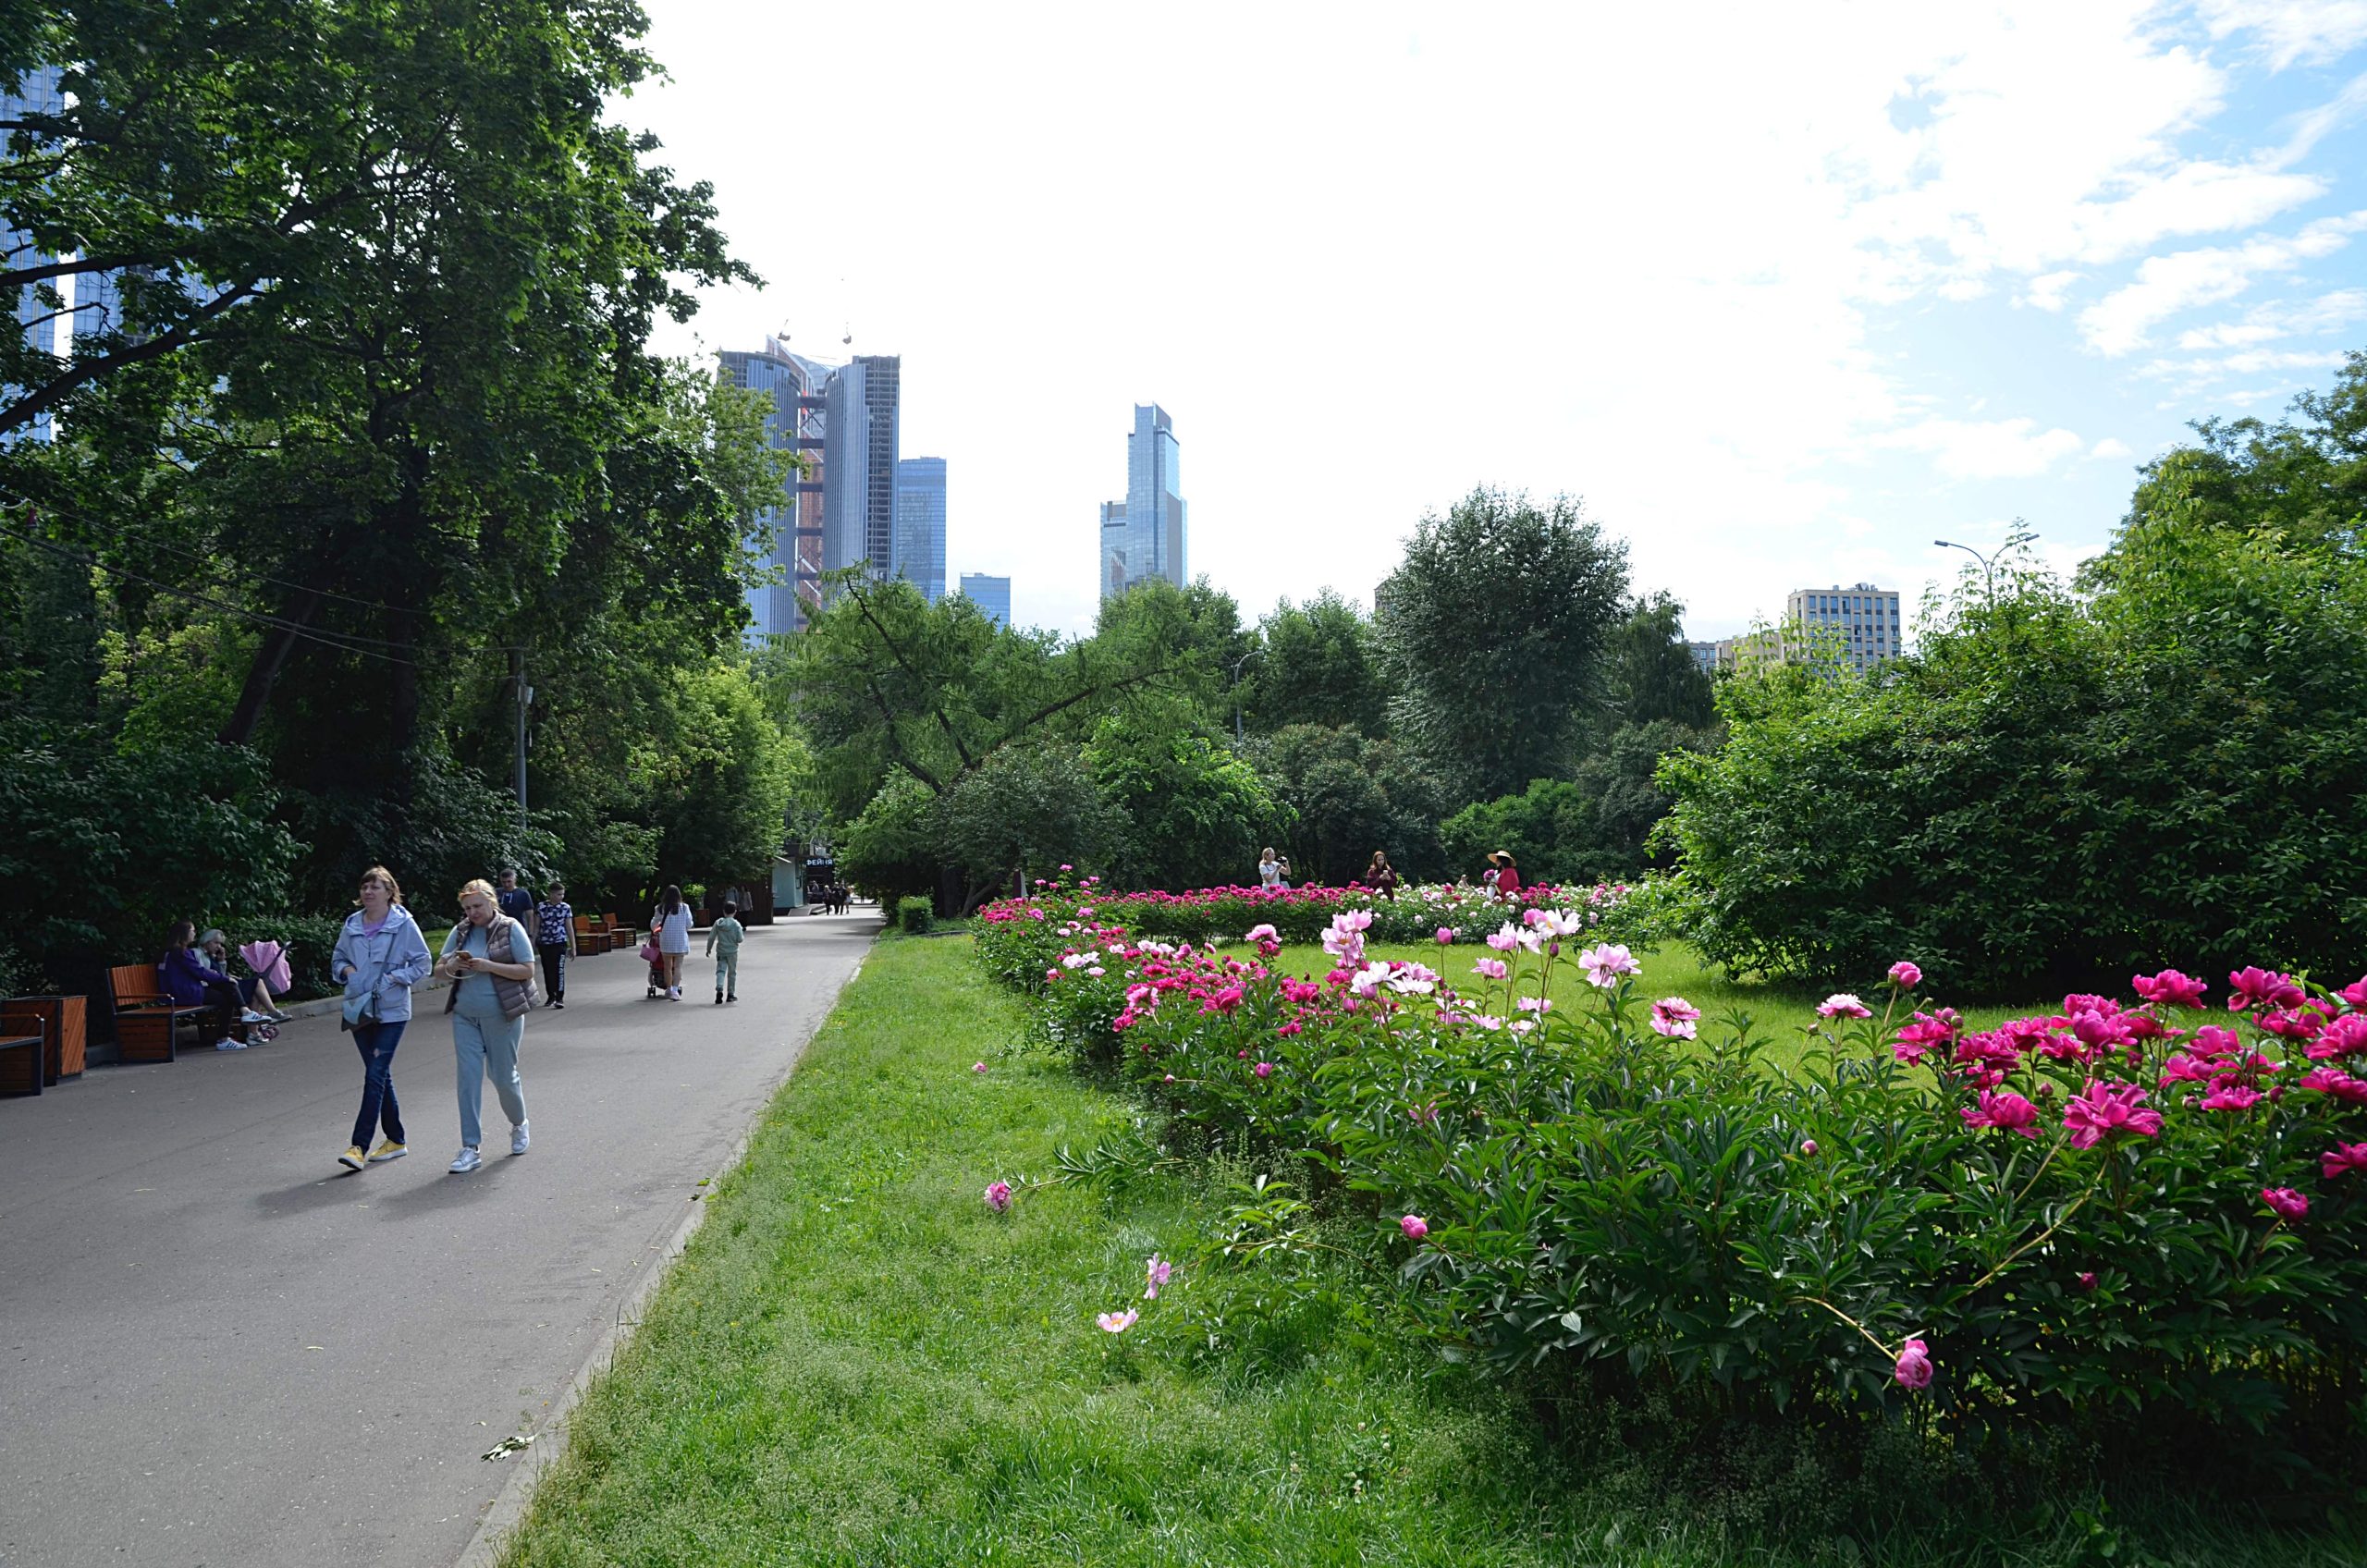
(2256, 987)
(2104, 1110)
(2289, 1204)
(2007, 1113)
(2170, 989)
(1905, 975)
(2342, 1157)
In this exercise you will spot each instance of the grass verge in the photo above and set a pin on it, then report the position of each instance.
(856, 1363)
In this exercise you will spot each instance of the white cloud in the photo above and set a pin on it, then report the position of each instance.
(2110, 446)
(2267, 324)
(2005, 448)
(2046, 291)
(2290, 31)
(2185, 280)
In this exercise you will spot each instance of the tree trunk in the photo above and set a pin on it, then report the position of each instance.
(263, 673)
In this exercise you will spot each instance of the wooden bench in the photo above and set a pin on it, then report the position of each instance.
(146, 1017)
(590, 937)
(621, 935)
(20, 1064)
(63, 1021)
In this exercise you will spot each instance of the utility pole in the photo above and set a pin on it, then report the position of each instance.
(525, 697)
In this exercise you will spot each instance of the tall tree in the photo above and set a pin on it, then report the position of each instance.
(1494, 628)
(1317, 663)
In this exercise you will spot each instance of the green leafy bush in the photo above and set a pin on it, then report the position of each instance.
(915, 915)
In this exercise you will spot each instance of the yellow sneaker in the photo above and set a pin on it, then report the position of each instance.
(387, 1149)
(353, 1158)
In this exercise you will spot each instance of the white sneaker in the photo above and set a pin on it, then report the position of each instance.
(229, 1045)
(518, 1139)
(251, 1016)
(468, 1160)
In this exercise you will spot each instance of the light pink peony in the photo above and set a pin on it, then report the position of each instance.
(1415, 1227)
(1264, 1069)
(1675, 1017)
(997, 1196)
(1841, 1004)
(1155, 1274)
(1117, 1322)
(1446, 936)
(1606, 963)
(1914, 1369)
(1905, 975)
(977, 1066)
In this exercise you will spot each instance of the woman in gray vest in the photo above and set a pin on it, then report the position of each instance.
(490, 961)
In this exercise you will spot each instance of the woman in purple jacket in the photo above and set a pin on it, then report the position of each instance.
(191, 984)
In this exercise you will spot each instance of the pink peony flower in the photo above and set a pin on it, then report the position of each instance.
(977, 1066)
(1066, 867)
(1490, 969)
(1606, 963)
(1808, 1146)
(2334, 1082)
(2183, 1069)
(1261, 933)
(1264, 1069)
(1914, 1369)
(1928, 1030)
(2230, 1097)
(1415, 1227)
(2289, 1204)
(1446, 936)
(1505, 940)
(997, 1196)
(1675, 1017)
(2345, 1035)
(2170, 989)
(2087, 1279)
(1117, 1322)
(2007, 1113)
(2355, 993)
(2342, 1157)
(2255, 988)
(1905, 975)
(1841, 1004)
(2211, 1041)
(2104, 1110)
(1156, 1272)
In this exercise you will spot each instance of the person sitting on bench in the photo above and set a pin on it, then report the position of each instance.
(192, 984)
(254, 992)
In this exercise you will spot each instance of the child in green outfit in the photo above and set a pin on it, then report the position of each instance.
(723, 940)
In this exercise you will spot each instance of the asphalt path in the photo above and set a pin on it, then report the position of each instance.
(219, 1349)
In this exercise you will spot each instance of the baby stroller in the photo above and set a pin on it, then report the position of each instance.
(656, 962)
(269, 962)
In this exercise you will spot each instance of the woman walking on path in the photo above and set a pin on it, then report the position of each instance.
(671, 925)
(379, 957)
(492, 969)
(555, 940)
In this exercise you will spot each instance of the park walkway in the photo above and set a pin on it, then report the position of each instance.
(217, 1348)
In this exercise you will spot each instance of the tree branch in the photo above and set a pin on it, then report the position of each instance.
(26, 410)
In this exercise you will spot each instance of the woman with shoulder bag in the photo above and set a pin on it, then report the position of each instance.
(671, 929)
(491, 962)
(379, 957)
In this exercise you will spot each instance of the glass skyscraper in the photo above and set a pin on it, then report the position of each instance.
(920, 524)
(37, 93)
(991, 594)
(1143, 536)
(861, 411)
(793, 423)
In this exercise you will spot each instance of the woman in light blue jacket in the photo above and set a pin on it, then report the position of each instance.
(380, 956)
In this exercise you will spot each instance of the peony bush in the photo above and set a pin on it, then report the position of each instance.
(2154, 1201)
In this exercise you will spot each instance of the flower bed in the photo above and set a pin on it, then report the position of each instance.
(2130, 1203)
(1021, 936)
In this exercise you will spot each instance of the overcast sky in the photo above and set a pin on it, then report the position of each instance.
(1783, 292)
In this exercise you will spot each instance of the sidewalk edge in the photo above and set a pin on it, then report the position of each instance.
(503, 1515)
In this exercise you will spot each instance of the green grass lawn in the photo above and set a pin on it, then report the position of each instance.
(857, 1363)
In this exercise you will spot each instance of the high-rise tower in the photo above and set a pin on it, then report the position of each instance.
(36, 323)
(920, 524)
(793, 423)
(1143, 536)
(861, 407)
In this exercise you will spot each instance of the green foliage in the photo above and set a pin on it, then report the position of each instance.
(1651, 675)
(1317, 663)
(1197, 814)
(1347, 797)
(1596, 825)
(98, 855)
(1192, 637)
(1028, 807)
(1494, 628)
(889, 851)
(915, 915)
(724, 782)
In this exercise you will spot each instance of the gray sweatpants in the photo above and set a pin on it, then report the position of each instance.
(486, 1046)
(727, 971)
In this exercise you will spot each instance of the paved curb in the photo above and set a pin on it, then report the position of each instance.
(502, 1517)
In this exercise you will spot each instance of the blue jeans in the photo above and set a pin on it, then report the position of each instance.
(376, 1041)
(486, 1047)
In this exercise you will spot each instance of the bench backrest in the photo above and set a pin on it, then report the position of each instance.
(136, 985)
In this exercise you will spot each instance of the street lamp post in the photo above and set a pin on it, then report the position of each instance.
(1988, 568)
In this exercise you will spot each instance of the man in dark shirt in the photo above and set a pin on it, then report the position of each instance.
(515, 902)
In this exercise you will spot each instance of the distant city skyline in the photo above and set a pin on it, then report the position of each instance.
(1887, 278)
(991, 594)
(920, 524)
